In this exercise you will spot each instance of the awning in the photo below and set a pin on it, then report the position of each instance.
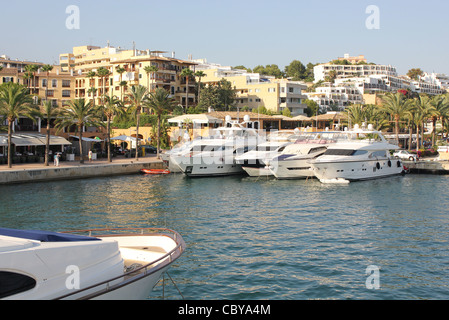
(32, 139)
(195, 118)
(124, 138)
(87, 139)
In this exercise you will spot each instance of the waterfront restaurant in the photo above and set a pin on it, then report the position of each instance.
(31, 145)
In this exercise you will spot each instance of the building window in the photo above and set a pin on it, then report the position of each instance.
(66, 93)
(66, 83)
(54, 83)
(44, 83)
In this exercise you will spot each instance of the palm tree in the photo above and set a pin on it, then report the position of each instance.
(187, 73)
(28, 76)
(48, 111)
(160, 103)
(103, 73)
(440, 110)
(397, 106)
(136, 97)
(120, 71)
(200, 74)
(81, 113)
(15, 102)
(152, 70)
(112, 107)
(91, 75)
(47, 68)
(32, 69)
(423, 111)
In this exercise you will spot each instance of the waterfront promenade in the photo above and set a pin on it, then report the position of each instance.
(34, 172)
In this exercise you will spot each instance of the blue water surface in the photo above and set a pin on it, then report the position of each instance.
(255, 239)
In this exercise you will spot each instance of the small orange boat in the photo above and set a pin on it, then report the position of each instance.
(155, 171)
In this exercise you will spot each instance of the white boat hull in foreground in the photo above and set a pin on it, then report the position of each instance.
(119, 265)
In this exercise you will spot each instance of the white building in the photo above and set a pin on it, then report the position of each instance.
(354, 70)
(336, 96)
(438, 79)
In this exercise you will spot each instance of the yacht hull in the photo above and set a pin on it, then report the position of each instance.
(292, 169)
(356, 170)
(207, 167)
(258, 171)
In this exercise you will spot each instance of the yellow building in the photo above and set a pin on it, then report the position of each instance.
(254, 90)
(132, 64)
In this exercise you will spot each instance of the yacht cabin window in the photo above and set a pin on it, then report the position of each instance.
(13, 283)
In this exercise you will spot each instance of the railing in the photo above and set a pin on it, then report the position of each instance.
(144, 271)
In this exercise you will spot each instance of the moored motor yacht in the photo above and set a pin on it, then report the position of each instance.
(293, 162)
(357, 155)
(216, 157)
(104, 264)
(254, 162)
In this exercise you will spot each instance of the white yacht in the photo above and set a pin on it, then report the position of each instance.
(254, 162)
(114, 264)
(357, 155)
(293, 162)
(216, 157)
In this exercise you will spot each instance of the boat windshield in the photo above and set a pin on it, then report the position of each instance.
(344, 152)
(267, 148)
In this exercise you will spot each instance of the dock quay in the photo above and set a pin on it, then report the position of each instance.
(428, 166)
(37, 172)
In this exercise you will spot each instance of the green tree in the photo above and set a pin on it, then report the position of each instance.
(103, 73)
(112, 107)
(153, 70)
(47, 68)
(136, 97)
(160, 103)
(91, 75)
(32, 69)
(269, 70)
(440, 111)
(79, 112)
(312, 108)
(200, 74)
(188, 75)
(415, 73)
(286, 112)
(15, 102)
(397, 106)
(120, 71)
(296, 70)
(48, 111)
(240, 67)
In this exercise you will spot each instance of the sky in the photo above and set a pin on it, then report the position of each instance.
(407, 34)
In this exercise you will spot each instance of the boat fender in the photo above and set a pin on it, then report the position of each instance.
(378, 165)
(389, 163)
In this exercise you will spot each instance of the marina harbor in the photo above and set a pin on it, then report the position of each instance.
(150, 151)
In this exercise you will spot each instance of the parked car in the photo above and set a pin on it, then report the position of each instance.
(148, 150)
(405, 155)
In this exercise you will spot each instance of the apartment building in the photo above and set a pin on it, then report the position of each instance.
(439, 79)
(57, 86)
(358, 70)
(8, 63)
(127, 68)
(254, 90)
(335, 97)
(383, 83)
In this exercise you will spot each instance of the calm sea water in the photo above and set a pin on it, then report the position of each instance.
(255, 239)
